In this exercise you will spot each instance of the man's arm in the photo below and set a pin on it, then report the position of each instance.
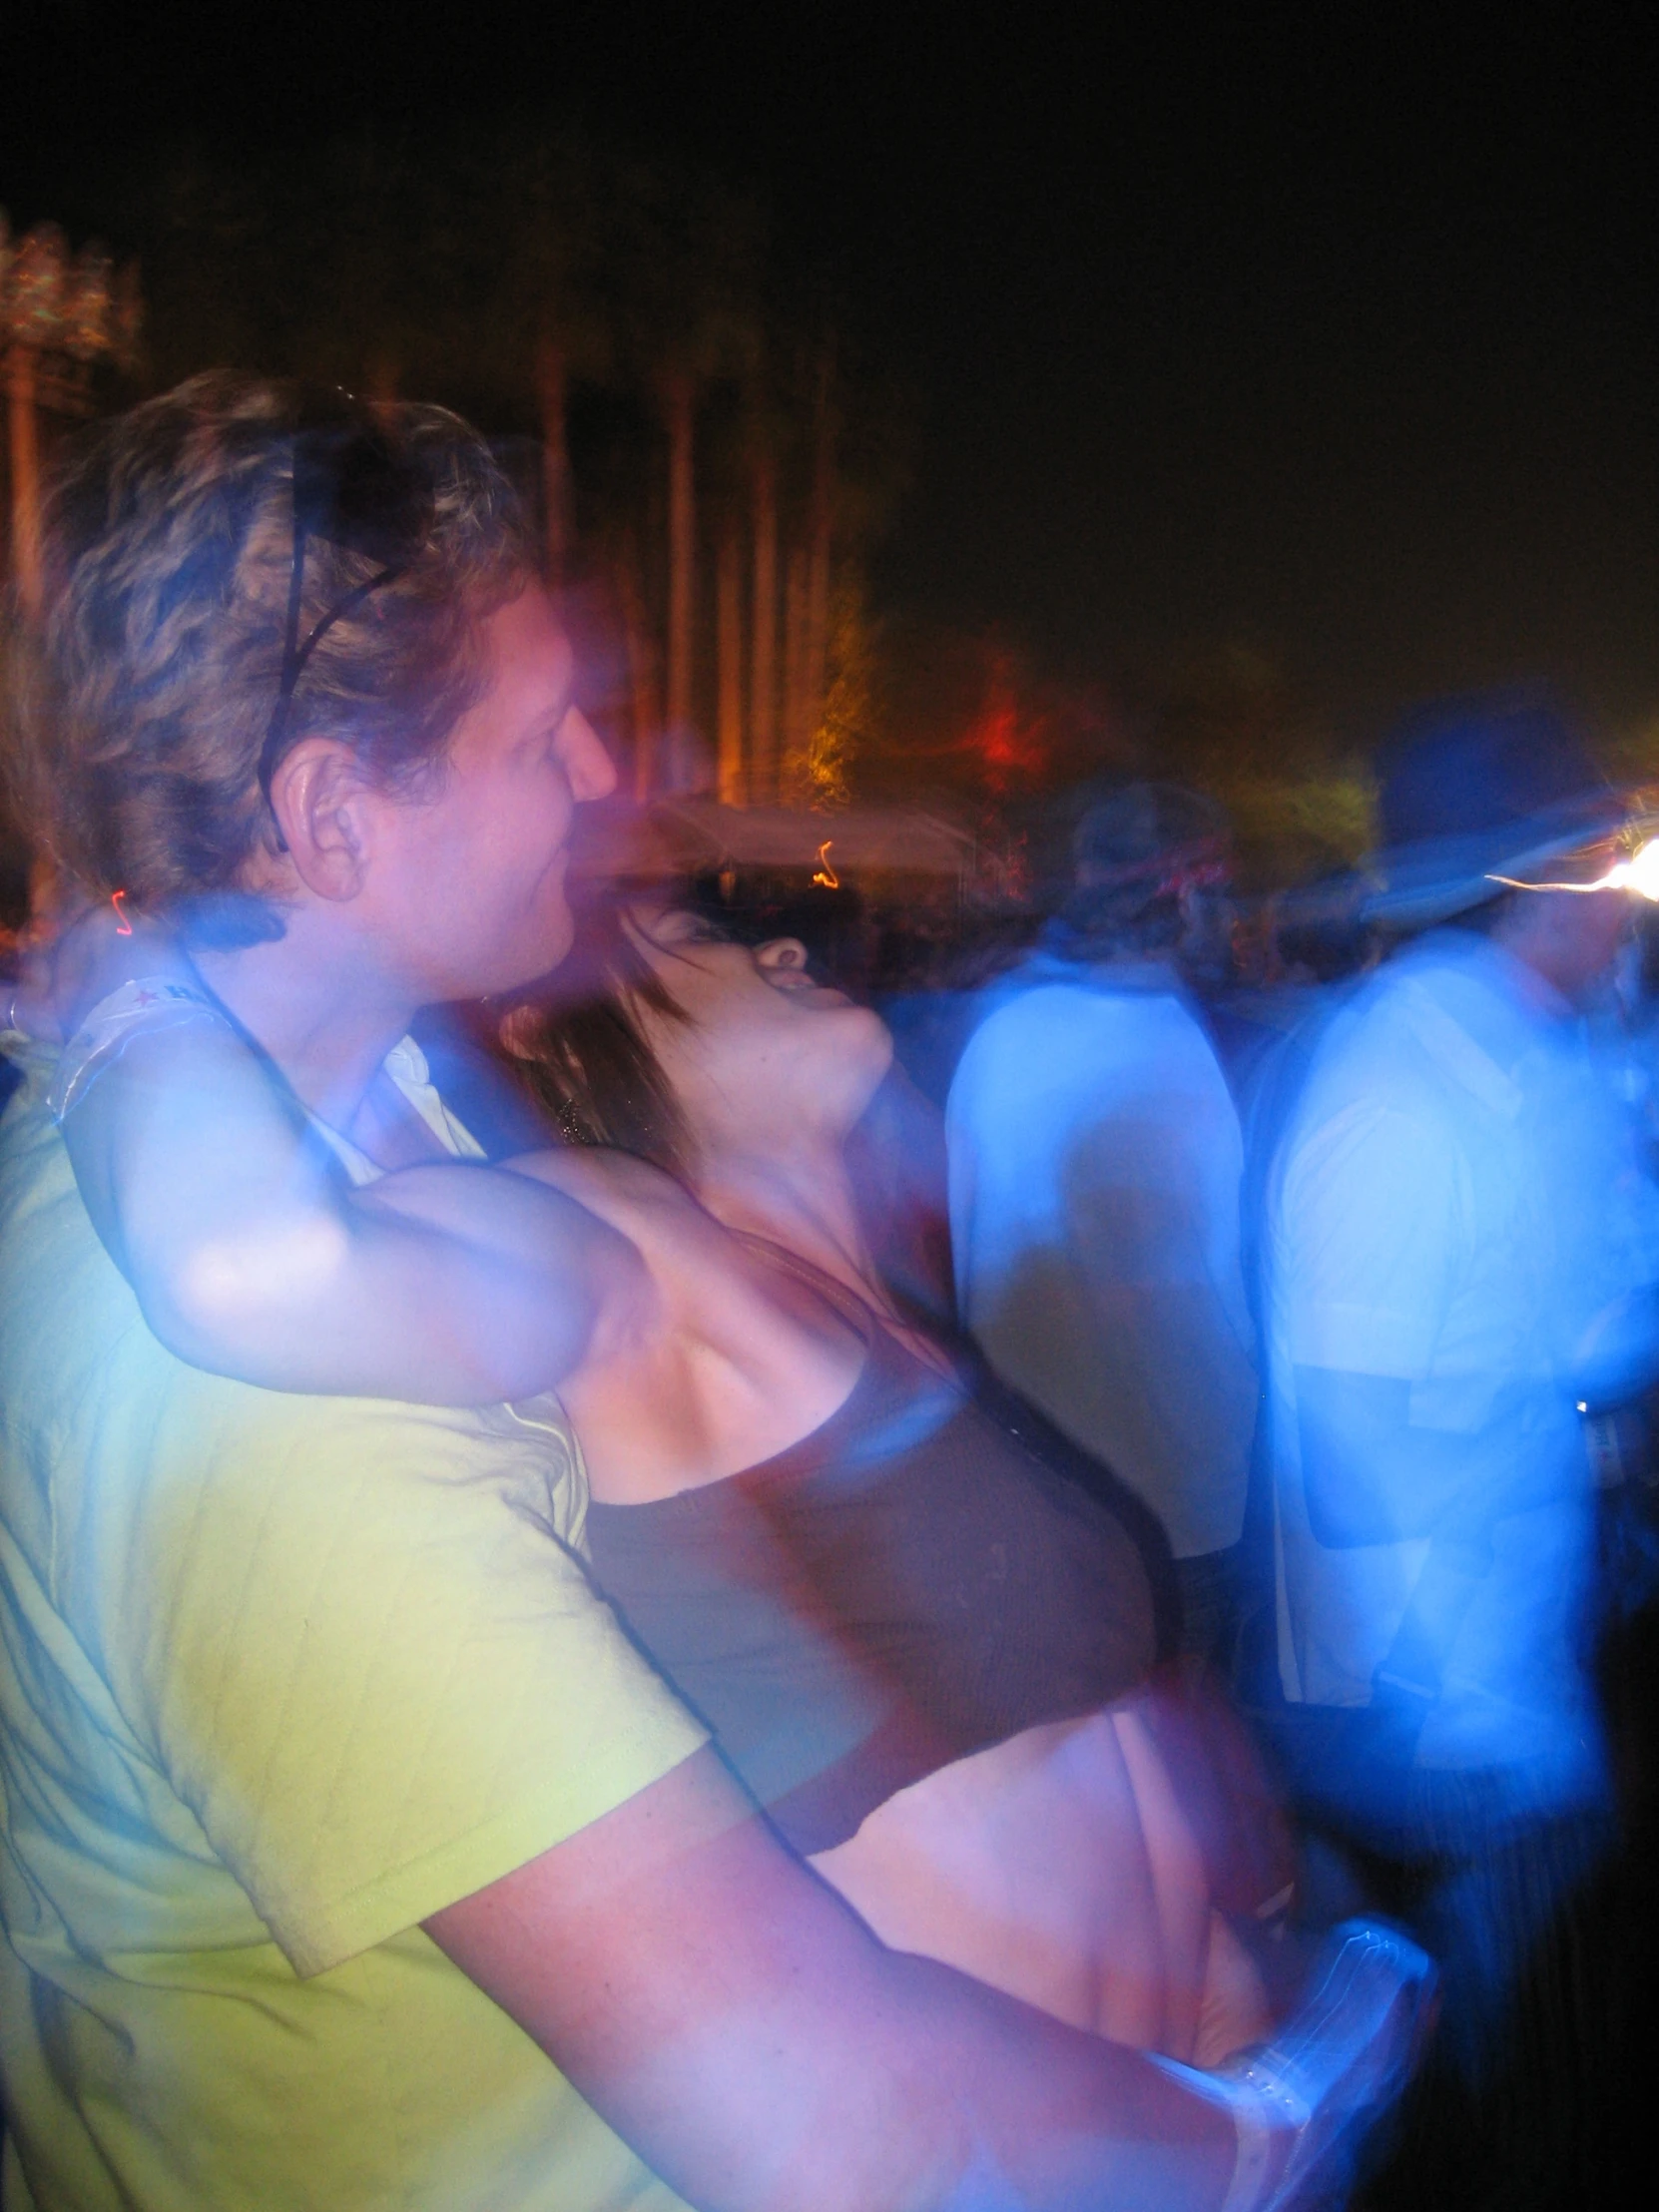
(1370, 1476)
(755, 2045)
(1372, 1243)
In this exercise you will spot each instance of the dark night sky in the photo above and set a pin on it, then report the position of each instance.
(1225, 324)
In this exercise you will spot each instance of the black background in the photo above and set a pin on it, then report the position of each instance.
(1329, 332)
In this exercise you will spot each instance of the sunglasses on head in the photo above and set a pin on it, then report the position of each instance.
(351, 489)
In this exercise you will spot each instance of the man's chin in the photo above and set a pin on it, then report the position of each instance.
(556, 944)
(526, 976)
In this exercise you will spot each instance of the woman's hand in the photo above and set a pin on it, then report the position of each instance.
(31, 1007)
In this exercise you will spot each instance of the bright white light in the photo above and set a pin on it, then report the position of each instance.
(1641, 870)
(1639, 874)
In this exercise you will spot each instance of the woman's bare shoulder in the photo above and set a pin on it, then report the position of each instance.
(642, 1201)
(577, 1169)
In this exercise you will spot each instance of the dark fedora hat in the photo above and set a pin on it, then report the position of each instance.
(1472, 788)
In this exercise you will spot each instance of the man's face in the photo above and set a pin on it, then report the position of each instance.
(467, 889)
(1583, 934)
(1571, 937)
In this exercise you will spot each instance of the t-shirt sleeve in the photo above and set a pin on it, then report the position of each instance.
(369, 1666)
(1369, 1220)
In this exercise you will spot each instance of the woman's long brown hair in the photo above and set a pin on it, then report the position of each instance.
(586, 1060)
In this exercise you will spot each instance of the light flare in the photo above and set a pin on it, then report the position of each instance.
(235, 1279)
(1638, 873)
(827, 876)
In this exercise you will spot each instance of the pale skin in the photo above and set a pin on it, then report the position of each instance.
(711, 1997)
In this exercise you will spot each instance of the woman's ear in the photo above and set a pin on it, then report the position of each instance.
(318, 798)
(781, 952)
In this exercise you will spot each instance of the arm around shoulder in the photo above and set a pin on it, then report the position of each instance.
(252, 1256)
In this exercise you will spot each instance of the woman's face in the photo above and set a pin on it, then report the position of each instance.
(765, 1051)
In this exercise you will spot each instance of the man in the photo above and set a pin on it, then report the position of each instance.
(349, 1854)
(1095, 1165)
(1456, 1236)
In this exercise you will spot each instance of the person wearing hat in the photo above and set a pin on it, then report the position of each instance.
(1452, 1207)
(1095, 1164)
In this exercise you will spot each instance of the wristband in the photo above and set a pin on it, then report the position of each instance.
(1266, 2121)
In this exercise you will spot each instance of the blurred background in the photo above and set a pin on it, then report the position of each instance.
(927, 408)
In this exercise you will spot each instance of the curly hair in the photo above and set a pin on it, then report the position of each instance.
(142, 695)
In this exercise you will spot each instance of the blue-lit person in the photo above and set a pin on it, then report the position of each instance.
(1095, 1171)
(1456, 1239)
(351, 1854)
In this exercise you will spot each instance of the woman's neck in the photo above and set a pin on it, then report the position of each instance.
(801, 1200)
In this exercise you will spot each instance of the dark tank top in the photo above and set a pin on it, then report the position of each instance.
(905, 1585)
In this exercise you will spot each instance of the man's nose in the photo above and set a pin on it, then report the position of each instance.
(587, 763)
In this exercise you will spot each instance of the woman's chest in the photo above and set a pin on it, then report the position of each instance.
(725, 1380)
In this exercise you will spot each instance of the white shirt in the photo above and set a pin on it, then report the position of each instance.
(1453, 1201)
(1095, 1165)
(407, 1069)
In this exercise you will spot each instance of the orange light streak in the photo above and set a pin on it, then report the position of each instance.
(826, 874)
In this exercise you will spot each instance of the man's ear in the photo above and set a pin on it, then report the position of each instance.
(318, 798)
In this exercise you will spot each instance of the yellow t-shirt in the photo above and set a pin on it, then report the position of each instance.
(280, 1676)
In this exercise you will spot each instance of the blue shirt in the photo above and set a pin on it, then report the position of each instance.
(1095, 1168)
(1455, 1200)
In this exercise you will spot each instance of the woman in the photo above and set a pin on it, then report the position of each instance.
(1036, 1839)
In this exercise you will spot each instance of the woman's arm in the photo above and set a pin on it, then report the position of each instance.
(253, 1256)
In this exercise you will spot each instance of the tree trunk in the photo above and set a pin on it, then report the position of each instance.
(551, 397)
(641, 672)
(762, 678)
(25, 456)
(730, 780)
(680, 414)
(818, 566)
(796, 732)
